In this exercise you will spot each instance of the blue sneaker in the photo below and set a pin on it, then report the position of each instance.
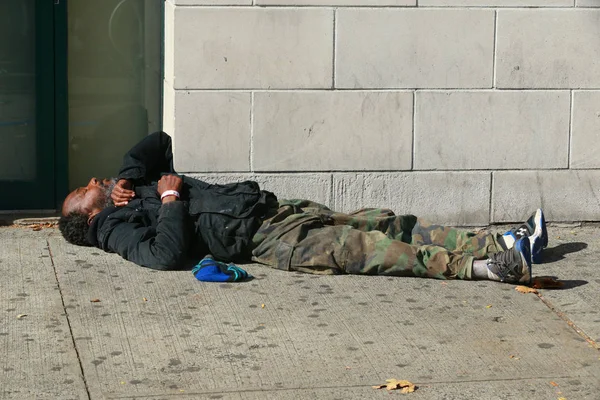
(513, 265)
(535, 229)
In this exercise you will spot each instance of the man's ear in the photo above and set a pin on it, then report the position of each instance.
(91, 217)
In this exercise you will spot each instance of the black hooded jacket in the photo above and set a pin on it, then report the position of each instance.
(210, 219)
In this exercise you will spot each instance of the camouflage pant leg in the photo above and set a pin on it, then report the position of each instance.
(310, 242)
(478, 244)
(366, 219)
(398, 227)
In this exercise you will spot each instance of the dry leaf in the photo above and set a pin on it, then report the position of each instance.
(40, 226)
(525, 289)
(488, 306)
(21, 316)
(393, 384)
(145, 299)
(546, 282)
(553, 383)
(95, 301)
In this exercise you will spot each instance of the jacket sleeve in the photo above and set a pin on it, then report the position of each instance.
(163, 247)
(148, 159)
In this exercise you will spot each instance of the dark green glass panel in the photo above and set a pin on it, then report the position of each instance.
(26, 104)
(114, 82)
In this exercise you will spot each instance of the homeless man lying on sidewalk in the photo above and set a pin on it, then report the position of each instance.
(157, 219)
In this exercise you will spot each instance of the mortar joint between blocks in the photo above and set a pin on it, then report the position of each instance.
(251, 153)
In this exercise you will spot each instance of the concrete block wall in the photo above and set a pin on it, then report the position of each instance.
(466, 112)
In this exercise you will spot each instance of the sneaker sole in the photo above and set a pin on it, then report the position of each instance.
(536, 246)
(539, 240)
(540, 227)
(523, 247)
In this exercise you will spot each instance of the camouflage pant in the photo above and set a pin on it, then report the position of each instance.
(308, 237)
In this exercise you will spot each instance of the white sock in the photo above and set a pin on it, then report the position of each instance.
(481, 271)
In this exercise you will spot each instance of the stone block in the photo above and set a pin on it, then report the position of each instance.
(564, 195)
(315, 187)
(168, 114)
(212, 131)
(491, 129)
(169, 43)
(371, 3)
(414, 48)
(587, 3)
(548, 48)
(585, 135)
(496, 3)
(451, 198)
(212, 2)
(252, 47)
(324, 131)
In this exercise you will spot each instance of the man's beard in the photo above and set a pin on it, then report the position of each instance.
(108, 202)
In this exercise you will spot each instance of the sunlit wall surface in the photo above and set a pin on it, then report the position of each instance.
(114, 81)
(17, 91)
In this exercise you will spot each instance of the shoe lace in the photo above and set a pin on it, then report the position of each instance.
(504, 264)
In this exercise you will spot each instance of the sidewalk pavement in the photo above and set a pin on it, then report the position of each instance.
(77, 323)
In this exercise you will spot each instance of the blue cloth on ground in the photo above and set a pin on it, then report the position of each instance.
(210, 270)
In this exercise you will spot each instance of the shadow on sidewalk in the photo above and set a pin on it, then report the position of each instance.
(557, 253)
(553, 283)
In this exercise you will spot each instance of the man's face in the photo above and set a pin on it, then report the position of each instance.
(88, 199)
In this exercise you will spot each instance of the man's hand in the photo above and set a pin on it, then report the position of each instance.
(169, 182)
(122, 193)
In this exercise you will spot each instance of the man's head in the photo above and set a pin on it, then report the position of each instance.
(81, 206)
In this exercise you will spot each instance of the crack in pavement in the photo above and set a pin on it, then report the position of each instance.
(286, 389)
(571, 324)
(62, 299)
